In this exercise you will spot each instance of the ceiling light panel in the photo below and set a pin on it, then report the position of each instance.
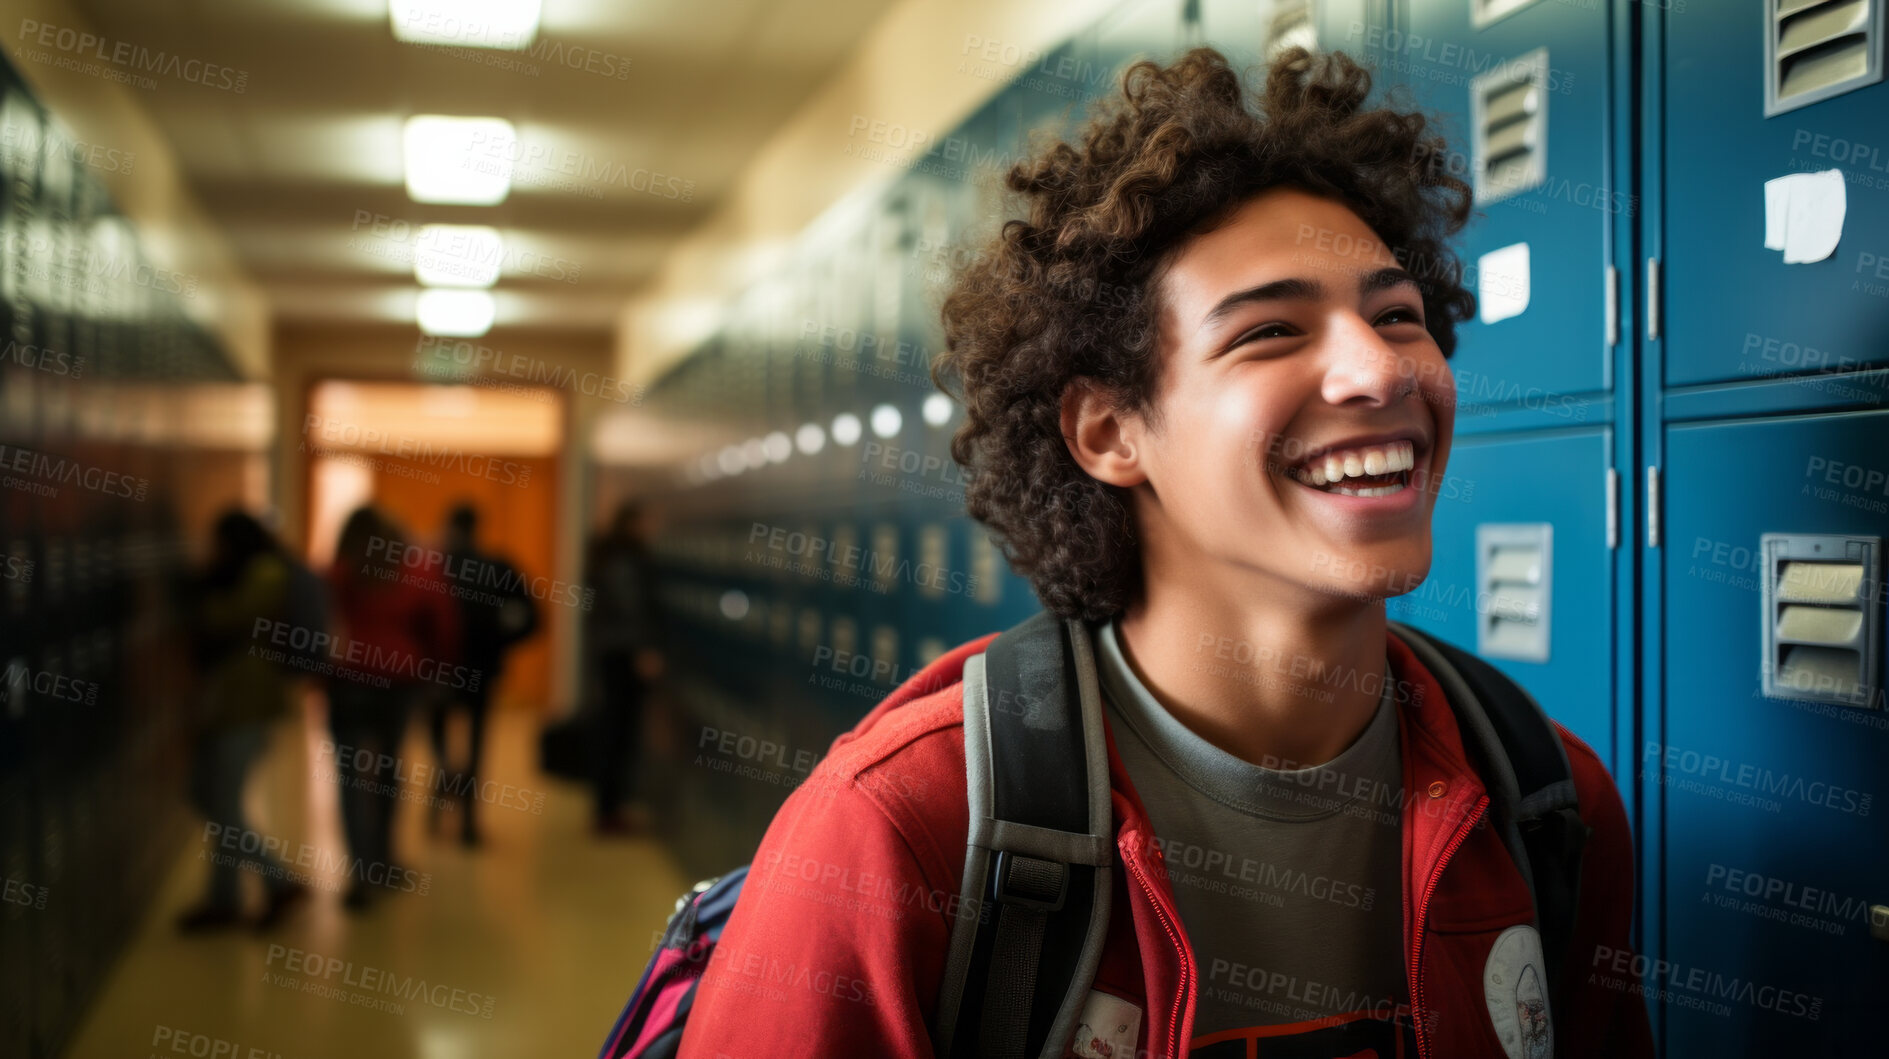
(455, 313)
(459, 161)
(458, 255)
(506, 24)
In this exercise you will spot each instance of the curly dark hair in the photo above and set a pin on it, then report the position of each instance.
(1071, 291)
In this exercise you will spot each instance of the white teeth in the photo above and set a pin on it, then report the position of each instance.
(1379, 490)
(1355, 463)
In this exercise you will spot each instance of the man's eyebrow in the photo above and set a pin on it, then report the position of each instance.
(1293, 289)
(1297, 289)
(1384, 279)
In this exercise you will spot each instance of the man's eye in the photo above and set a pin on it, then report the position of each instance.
(1400, 315)
(1264, 331)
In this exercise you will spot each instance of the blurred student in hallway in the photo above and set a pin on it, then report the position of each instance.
(243, 693)
(624, 638)
(400, 632)
(495, 613)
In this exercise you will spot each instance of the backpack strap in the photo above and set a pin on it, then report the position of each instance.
(1039, 859)
(1531, 785)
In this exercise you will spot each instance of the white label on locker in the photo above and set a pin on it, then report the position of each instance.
(1502, 282)
(1803, 215)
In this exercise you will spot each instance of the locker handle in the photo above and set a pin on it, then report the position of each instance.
(1613, 306)
(1652, 506)
(1652, 298)
(1613, 508)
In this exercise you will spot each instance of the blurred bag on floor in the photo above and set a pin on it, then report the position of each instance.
(565, 746)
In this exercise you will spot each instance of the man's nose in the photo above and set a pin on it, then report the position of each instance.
(1362, 366)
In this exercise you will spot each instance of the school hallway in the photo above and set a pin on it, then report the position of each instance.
(671, 385)
(549, 924)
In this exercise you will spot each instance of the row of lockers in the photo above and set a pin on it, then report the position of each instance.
(99, 484)
(1720, 430)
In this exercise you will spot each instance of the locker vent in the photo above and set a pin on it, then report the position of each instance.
(985, 582)
(1483, 12)
(1815, 49)
(885, 650)
(1293, 23)
(884, 560)
(1820, 603)
(1513, 564)
(809, 631)
(845, 636)
(845, 539)
(932, 545)
(1508, 112)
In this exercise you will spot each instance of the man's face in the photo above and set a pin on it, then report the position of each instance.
(1293, 349)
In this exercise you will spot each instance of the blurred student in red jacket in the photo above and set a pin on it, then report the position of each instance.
(397, 638)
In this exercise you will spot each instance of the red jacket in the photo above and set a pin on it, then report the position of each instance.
(406, 629)
(838, 944)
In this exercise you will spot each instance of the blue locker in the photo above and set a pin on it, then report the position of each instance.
(1340, 25)
(1138, 29)
(1556, 478)
(1762, 868)
(1240, 31)
(1053, 92)
(1554, 193)
(1247, 34)
(1771, 807)
(1736, 310)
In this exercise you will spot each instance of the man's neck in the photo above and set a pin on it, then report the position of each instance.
(1273, 680)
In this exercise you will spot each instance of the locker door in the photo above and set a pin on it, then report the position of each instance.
(1341, 25)
(1532, 86)
(1774, 848)
(1736, 309)
(1248, 33)
(1764, 857)
(1053, 91)
(1138, 29)
(1241, 30)
(1481, 504)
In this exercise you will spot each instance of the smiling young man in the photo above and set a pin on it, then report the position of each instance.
(1209, 415)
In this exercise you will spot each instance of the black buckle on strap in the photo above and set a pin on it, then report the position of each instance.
(1031, 882)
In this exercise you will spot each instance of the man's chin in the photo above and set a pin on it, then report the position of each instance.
(1367, 576)
(1360, 593)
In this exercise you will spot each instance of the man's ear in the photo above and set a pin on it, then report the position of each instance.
(1105, 441)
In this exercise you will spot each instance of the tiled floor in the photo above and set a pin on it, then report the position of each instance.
(526, 946)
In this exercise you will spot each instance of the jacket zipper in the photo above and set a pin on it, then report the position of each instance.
(1180, 949)
(1421, 1012)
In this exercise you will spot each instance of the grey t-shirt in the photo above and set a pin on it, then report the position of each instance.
(1288, 879)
